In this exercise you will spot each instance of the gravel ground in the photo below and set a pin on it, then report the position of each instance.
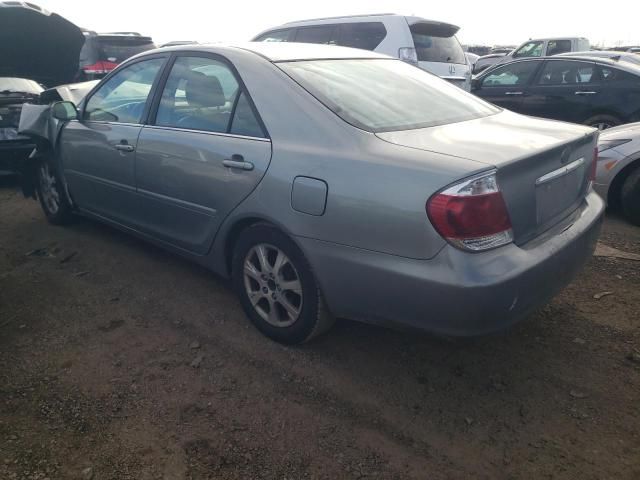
(120, 361)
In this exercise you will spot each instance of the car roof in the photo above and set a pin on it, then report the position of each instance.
(282, 51)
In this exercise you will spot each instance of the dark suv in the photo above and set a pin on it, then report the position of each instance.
(102, 52)
(14, 92)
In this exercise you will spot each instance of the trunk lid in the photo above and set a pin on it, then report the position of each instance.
(542, 166)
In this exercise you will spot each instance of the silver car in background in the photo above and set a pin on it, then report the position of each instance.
(331, 182)
(618, 174)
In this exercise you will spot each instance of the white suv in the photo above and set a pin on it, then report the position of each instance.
(427, 44)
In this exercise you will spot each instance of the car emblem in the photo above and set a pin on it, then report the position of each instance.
(452, 69)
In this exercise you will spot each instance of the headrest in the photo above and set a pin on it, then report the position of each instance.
(203, 91)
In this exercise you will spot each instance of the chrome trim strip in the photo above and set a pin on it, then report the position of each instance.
(104, 181)
(216, 134)
(560, 172)
(180, 203)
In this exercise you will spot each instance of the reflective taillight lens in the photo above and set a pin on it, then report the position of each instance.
(594, 166)
(408, 55)
(100, 67)
(472, 215)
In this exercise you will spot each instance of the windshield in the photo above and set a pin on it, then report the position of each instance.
(382, 95)
(19, 85)
(436, 44)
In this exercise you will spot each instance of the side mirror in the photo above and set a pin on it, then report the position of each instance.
(64, 111)
(475, 84)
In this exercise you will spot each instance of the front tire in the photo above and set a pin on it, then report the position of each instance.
(276, 286)
(52, 198)
(630, 197)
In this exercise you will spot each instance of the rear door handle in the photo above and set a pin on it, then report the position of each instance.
(237, 161)
(584, 92)
(514, 93)
(124, 147)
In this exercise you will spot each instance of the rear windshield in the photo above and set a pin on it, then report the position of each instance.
(434, 44)
(380, 95)
(118, 50)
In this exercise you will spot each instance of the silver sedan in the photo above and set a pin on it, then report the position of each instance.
(330, 182)
(618, 174)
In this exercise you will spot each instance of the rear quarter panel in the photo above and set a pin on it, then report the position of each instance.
(376, 191)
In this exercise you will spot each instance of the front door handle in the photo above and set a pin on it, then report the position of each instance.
(514, 93)
(125, 147)
(237, 161)
(584, 92)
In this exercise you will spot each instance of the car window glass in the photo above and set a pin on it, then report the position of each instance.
(566, 73)
(275, 36)
(244, 121)
(122, 98)
(615, 76)
(364, 35)
(514, 74)
(558, 46)
(383, 94)
(199, 94)
(531, 49)
(318, 34)
(436, 44)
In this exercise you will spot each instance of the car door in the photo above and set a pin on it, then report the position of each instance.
(563, 90)
(506, 85)
(98, 150)
(203, 152)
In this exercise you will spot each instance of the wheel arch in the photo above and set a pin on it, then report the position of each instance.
(613, 195)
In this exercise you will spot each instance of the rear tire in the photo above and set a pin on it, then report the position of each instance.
(630, 197)
(602, 122)
(276, 286)
(52, 198)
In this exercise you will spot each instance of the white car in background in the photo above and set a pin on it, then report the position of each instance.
(427, 44)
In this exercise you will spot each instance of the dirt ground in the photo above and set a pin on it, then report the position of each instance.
(120, 361)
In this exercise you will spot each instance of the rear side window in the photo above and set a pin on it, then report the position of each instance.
(321, 34)
(244, 120)
(513, 74)
(364, 35)
(558, 46)
(436, 44)
(566, 73)
(276, 36)
(613, 76)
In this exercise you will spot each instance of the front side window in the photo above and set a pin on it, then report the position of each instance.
(435, 43)
(122, 98)
(364, 35)
(380, 95)
(556, 47)
(531, 49)
(508, 75)
(566, 73)
(203, 94)
(321, 34)
(276, 36)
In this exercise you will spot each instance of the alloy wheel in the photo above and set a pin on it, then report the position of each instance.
(49, 188)
(273, 285)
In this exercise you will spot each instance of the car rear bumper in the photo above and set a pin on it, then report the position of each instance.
(456, 293)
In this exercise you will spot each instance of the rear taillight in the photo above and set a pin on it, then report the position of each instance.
(99, 68)
(472, 215)
(594, 166)
(409, 55)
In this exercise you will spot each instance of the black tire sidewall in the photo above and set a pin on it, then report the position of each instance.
(603, 118)
(64, 213)
(630, 197)
(303, 328)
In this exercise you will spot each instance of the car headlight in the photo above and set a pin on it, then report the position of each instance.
(604, 144)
